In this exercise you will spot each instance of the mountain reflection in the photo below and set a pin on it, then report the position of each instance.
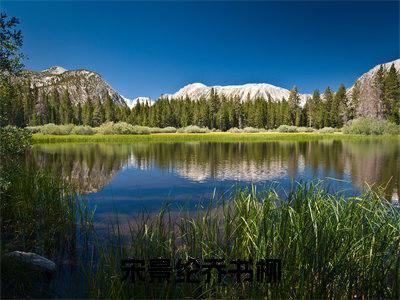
(92, 166)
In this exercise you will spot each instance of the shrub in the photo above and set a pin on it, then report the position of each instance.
(253, 130)
(105, 128)
(122, 128)
(235, 130)
(305, 129)
(83, 130)
(370, 126)
(33, 129)
(56, 129)
(13, 141)
(327, 130)
(193, 129)
(163, 130)
(287, 128)
(140, 130)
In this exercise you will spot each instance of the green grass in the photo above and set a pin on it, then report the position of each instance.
(330, 246)
(199, 137)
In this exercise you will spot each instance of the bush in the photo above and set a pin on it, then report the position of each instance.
(83, 130)
(253, 130)
(287, 128)
(163, 130)
(33, 129)
(193, 129)
(13, 141)
(235, 130)
(370, 126)
(56, 129)
(140, 130)
(122, 128)
(327, 130)
(305, 129)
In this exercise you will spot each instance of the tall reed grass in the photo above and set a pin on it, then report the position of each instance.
(38, 214)
(330, 246)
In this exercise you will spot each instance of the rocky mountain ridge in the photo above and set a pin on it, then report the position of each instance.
(83, 84)
(369, 105)
(80, 84)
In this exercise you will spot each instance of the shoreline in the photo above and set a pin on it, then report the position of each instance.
(39, 138)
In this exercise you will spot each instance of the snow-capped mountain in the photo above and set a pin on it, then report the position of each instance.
(250, 91)
(132, 102)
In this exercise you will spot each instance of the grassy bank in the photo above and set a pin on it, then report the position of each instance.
(38, 214)
(200, 137)
(330, 246)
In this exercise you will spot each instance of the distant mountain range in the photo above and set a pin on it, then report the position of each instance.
(244, 92)
(84, 84)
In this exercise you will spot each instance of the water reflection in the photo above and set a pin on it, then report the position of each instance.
(132, 169)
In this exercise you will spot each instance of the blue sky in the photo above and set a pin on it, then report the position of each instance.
(149, 48)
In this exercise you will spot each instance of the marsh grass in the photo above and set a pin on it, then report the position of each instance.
(38, 214)
(330, 246)
(202, 137)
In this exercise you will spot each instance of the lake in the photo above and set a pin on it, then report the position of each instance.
(130, 178)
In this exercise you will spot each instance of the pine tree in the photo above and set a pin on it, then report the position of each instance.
(379, 85)
(87, 113)
(54, 101)
(326, 109)
(66, 111)
(78, 114)
(98, 113)
(214, 104)
(337, 112)
(109, 109)
(294, 106)
(391, 99)
(354, 101)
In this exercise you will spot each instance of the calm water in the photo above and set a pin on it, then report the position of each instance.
(131, 177)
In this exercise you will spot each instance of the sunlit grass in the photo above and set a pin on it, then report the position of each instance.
(199, 137)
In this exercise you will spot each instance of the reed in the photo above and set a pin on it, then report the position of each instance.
(330, 246)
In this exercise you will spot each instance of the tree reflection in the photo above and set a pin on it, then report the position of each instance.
(92, 166)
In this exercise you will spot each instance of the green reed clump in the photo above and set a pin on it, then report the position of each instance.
(38, 212)
(330, 246)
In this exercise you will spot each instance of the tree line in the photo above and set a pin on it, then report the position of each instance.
(22, 105)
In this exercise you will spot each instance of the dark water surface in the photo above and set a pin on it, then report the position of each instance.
(131, 177)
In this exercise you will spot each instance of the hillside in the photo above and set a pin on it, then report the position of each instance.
(369, 104)
(80, 84)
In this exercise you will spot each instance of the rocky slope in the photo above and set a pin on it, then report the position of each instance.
(250, 91)
(369, 104)
(80, 84)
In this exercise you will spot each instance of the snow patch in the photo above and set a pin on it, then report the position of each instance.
(142, 100)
